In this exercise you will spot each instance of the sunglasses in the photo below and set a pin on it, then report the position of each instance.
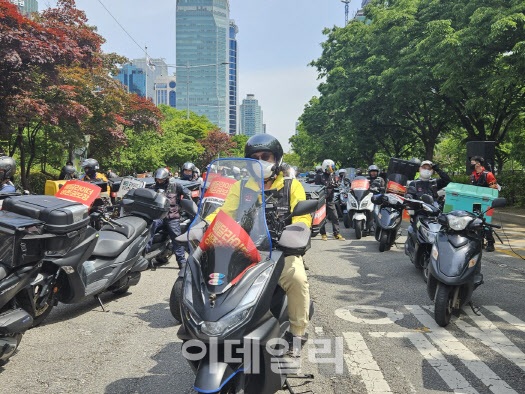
(265, 156)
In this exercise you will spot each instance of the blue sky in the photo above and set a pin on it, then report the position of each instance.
(277, 39)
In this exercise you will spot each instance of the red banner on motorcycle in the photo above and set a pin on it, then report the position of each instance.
(82, 192)
(360, 184)
(395, 188)
(219, 187)
(226, 232)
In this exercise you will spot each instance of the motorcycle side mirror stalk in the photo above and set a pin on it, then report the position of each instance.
(305, 207)
(189, 206)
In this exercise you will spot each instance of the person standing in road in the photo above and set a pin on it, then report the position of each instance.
(483, 178)
(7, 172)
(425, 184)
(174, 192)
(327, 179)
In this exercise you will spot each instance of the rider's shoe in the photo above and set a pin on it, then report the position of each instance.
(340, 237)
(490, 247)
(295, 343)
(324, 237)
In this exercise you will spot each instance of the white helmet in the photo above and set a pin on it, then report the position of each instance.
(328, 166)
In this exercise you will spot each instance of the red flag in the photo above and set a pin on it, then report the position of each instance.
(78, 191)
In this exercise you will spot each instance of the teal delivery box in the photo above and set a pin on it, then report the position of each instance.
(470, 198)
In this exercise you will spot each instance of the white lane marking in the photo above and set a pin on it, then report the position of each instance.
(435, 358)
(346, 314)
(492, 337)
(451, 346)
(361, 362)
(519, 324)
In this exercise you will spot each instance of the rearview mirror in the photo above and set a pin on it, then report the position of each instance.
(305, 207)
(189, 206)
(412, 190)
(427, 199)
(499, 202)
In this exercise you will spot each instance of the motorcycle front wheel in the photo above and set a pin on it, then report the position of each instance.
(31, 306)
(175, 299)
(383, 241)
(358, 226)
(443, 304)
(346, 220)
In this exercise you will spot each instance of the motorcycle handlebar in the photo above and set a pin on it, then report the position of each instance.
(492, 225)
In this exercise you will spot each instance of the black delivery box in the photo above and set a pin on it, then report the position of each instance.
(403, 167)
(67, 220)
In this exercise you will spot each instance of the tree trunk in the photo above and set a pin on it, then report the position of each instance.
(21, 145)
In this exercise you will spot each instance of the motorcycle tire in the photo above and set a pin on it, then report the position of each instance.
(358, 226)
(377, 232)
(426, 269)
(346, 221)
(383, 241)
(443, 304)
(38, 315)
(18, 338)
(175, 300)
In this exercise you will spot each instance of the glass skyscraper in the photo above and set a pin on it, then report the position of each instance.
(233, 77)
(203, 28)
(26, 7)
(133, 76)
(251, 116)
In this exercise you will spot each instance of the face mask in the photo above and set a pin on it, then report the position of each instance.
(472, 167)
(425, 174)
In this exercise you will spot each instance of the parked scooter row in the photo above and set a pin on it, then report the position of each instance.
(51, 254)
(447, 247)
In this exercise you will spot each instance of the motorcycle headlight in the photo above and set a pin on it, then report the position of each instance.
(435, 252)
(352, 200)
(187, 294)
(243, 311)
(458, 223)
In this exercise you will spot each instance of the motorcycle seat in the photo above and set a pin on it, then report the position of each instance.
(112, 242)
(129, 226)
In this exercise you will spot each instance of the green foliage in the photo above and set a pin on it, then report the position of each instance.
(513, 187)
(241, 140)
(421, 79)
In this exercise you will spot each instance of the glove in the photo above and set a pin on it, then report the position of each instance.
(435, 167)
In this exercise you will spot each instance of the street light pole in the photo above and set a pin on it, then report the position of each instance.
(188, 90)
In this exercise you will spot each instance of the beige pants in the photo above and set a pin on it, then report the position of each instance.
(293, 280)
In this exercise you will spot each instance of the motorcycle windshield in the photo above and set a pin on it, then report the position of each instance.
(360, 183)
(396, 183)
(229, 235)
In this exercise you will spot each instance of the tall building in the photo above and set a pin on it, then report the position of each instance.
(26, 7)
(233, 85)
(136, 74)
(166, 90)
(251, 116)
(202, 58)
(133, 78)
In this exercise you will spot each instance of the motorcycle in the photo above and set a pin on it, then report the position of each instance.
(344, 191)
(19, 268)
(360, 207)
(231, 293)
(162, 247)
(389, 215)
(422, 231)
(80, 261)
(455, 260)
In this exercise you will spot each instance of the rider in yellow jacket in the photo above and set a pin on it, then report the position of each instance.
(293, 280)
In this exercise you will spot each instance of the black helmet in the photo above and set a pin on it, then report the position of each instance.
(69, 172)
(8, 166)
(162, 173)
(188, 166)
(264, 142)
(373, 167)
(90, 166)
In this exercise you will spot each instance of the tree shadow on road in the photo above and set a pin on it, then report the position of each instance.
(172, 374)
(157, 315)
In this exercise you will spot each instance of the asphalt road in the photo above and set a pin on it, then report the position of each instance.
(371, 310)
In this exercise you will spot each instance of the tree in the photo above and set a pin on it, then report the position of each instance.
(215, 144)
(240, 140)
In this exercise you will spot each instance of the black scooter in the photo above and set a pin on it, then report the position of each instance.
(455, 262)
(79, 261)
(388, 219)
(422, 232)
